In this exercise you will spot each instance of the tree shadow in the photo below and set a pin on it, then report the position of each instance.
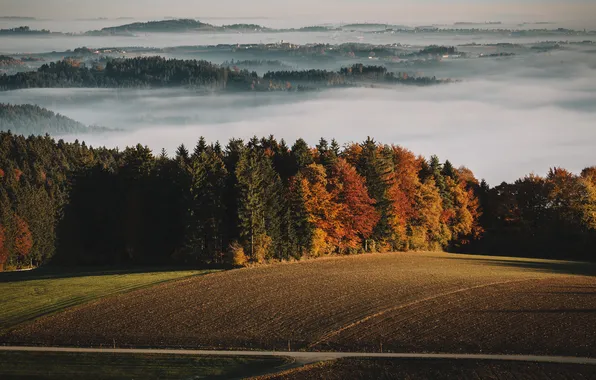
(537, 265)
(537, 311)
(568, 293)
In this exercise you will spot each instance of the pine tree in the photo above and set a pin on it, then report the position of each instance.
(23, 239)
(298, 225)
(182, 155)
(301, 155)
(232, 155)
(257, 187)
(375, 165)
(449, 171)
(200, 148)
(4, 253)
(334, 148)
(206, 238)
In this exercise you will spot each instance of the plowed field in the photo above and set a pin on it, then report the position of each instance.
(364, 369)
(419, 302)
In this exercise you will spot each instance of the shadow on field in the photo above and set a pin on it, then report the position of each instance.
(538, 311)
(47, 273)
(564, 267)
(588, 293)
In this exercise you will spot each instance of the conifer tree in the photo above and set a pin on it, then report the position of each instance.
(375, 165)
(301, 156)
(206, 236)
(258, 188)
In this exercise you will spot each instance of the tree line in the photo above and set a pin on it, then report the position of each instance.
(263, 200)
(347, 76)
(157, 72)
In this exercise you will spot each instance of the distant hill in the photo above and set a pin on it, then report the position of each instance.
(191, 25)
(30, 119)
(163, 26)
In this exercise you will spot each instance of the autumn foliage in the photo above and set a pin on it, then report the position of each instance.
(357, 215)
(263, 200)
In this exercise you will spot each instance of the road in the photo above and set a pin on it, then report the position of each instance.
(311, 357)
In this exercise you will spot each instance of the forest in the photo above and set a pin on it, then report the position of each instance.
(157, 72)
(23, 30)
(263, 200)
(357, 73)
(29, 119)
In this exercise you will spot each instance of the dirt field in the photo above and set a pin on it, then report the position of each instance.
(360, 369)
(385, 302)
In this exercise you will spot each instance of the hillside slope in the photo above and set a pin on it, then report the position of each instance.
(392, 302)
(30, 119)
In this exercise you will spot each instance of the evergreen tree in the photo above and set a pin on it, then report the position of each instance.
(206, 239)
(375, 165)
(301, 156)
(256, 195)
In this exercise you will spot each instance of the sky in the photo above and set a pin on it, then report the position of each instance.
(350, 10)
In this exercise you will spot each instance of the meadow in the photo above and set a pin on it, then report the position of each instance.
(27, 295)
(51, 365)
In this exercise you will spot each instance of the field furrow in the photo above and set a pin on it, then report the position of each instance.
(426, 302)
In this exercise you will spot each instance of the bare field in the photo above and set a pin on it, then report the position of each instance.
(418, 302)
(420, 369)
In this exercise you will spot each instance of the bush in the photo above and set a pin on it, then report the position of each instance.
(262, 247)
(320, 244)
(237, 257)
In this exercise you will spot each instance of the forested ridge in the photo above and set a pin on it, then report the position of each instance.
(263, 200)
(157, 72)
(33, 120)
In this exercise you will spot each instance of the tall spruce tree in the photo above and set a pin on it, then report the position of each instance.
(376, 166)
(255, 184)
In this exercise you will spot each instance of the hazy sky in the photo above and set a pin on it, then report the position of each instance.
(373, 10)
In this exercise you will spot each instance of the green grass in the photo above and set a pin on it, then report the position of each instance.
(38, 365)
(25, 296)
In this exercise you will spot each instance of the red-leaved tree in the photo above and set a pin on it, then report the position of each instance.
(358, 215)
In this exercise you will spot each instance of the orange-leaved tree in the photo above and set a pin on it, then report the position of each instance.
(323, 210)
(357, 214)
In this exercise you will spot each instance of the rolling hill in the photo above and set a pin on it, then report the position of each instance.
(403, 302)
(33, 120)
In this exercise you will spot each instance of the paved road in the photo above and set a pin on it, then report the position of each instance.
(311, 357)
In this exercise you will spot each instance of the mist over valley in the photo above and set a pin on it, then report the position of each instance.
(494, 111)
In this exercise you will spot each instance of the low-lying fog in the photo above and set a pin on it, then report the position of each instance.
(47, 43)
(508, 117)
(86, 24)
(500, 129)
